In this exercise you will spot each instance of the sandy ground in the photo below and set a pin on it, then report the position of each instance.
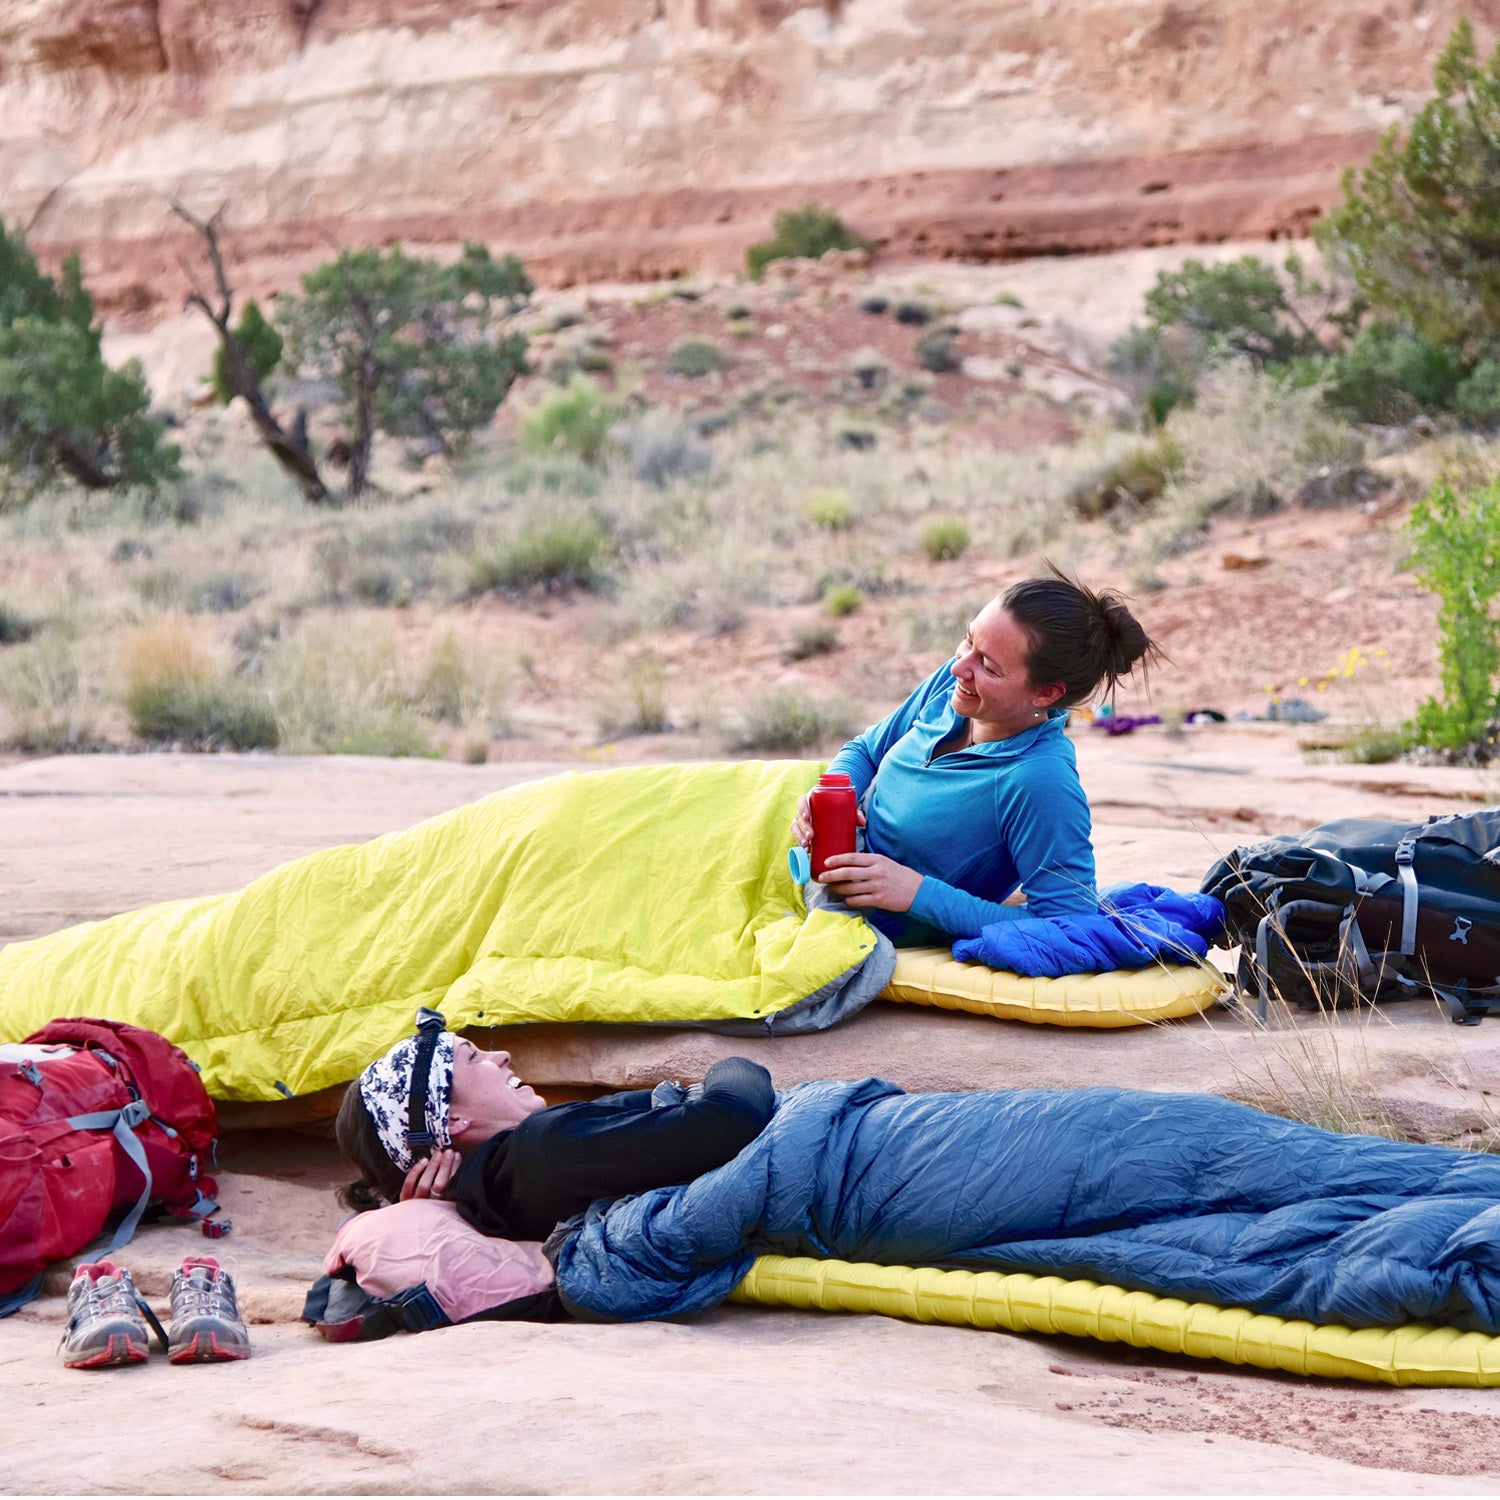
(745, 1399)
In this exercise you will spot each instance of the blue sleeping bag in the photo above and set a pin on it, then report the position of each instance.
(1186, 1195)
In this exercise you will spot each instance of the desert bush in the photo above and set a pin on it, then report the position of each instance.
(336, 685)
(1376, 745)
(874, 303)
(840, 599)
(15, 628)
(1390, 375)
(802, 233)
(222, 593)
(554, 550)
(575, 420)
(262, 347)
(1135, 477)
(913, 312)
(660, 448)
(946, 539)
(871, 370)
(937, 351)
(1159, 369)
(812, 640)
(1454, 551)
(635, 699)
(695, 357)
(1477, 398)
(175, 693)
(62, 409)
(788, 719)
(828, 509)
(51, 696)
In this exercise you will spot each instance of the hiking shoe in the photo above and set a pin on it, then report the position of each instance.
(206, 1323)
(105, 1323)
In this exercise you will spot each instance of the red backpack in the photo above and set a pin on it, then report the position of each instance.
(109, 1118)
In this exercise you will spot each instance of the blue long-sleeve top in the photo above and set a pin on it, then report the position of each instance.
(977, 823)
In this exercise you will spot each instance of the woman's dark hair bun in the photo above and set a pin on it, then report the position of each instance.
(1078, 637)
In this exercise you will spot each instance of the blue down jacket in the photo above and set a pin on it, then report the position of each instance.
(1187, 1195)
(1136, 925)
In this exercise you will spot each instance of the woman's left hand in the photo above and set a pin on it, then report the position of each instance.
(871, 880)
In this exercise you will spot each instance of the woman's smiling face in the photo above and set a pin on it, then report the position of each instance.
(486, 1096)
(994, 690)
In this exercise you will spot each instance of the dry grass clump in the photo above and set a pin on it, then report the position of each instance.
(176, 693)
(52, 694)
(553, 550)
(634, 700)
(789, 719)
(337, 687)
(945, 539)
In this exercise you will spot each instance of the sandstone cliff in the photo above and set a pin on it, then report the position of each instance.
(631, 138)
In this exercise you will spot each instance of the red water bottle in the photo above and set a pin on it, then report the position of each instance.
(833, 808)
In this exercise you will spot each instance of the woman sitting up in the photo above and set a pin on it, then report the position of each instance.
(439, 1117)
(969, 791)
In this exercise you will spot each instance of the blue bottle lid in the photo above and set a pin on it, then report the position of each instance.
(799, 863)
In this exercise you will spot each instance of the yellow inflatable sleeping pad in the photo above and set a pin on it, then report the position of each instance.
(1413, 1355)
(1122, 997)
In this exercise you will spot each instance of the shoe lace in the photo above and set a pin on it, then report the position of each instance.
(108, 1296)
(202, 1292)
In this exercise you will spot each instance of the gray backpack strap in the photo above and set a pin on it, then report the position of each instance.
(1406, 853)
(121, 1123)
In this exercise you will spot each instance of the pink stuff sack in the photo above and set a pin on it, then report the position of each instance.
(424, 1240)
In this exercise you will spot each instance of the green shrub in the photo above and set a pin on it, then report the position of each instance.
(262, 347)
(945, 540)
(874, 303)
(787, 719)
(1006, 299)
(575, 420)
(636, 702)
(695, 357)
(871, 370)
(802, 233)
(1376, 745)
(813, 640)
(741, 328)
(936, 351)
(840, 599)
(1477, 399)
(202, 715)
(556, 550)
(1388, 375)
(827, 509)
(737, 312)
(1456, 555)
(1238, 307)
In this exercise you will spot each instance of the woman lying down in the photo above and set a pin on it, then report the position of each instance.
(655, 1203)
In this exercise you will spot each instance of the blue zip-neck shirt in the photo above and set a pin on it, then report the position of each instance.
(977, 824)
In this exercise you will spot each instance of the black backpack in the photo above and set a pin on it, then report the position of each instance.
(1364, 910)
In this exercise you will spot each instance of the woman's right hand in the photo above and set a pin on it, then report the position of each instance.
(802, 823)
(430, 1176)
